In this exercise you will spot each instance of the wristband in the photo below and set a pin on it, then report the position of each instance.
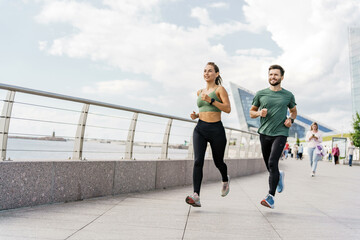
(212, 100)
(292, 120)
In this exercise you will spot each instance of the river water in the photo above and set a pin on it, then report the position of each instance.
(25, 149)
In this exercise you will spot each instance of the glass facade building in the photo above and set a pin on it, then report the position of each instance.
(243, 101)
(354, 55)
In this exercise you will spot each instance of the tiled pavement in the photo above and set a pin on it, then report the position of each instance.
(326, 206)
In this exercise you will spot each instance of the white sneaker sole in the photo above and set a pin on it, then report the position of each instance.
(227, 192)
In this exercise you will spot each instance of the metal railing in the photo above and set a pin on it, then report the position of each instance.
(240, 143)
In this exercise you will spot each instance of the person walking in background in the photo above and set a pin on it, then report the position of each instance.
(351, 149)
(271, 105)
(300, 151)
(329, 152)
(314, 139)
(326, 151)
(336, 153)
(286, 150)
(211, 101)
(296, 151)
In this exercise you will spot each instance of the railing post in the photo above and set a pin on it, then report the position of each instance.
(191, 149)
(165, 145)
(238, 146)
(228, 136)
(258, 148)
(247, 148)
(253, 147)
(79, 137)
(130, 137)
(5, 122)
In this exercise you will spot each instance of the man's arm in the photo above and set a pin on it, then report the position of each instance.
(293, 114)
(254, 113)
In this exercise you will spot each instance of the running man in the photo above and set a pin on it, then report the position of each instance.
(271, 104)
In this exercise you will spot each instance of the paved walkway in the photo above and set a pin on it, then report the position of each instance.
(324, 207)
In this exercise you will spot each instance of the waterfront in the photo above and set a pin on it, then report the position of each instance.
(25, 149)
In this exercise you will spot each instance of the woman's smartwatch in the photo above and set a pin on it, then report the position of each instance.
(212, 100)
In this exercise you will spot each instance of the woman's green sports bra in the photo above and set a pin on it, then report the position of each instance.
(204, 106)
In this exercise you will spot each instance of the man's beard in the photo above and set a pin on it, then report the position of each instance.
(275, 84)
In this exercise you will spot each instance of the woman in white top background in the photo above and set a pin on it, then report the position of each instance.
(314, 138)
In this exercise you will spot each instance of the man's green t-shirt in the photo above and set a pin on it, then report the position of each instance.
(276, 103)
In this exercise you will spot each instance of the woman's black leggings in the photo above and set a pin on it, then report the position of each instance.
(214, 133)
(272, 147)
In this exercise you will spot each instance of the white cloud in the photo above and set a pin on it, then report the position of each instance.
(116, 87)
(314, 39)
(163, 101)
(124, 37)
(42, 45)
(202, 15)
(219, 5)
(130, 35)
(254, 52)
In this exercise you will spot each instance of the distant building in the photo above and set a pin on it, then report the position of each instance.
(243, 99)
(354, 55)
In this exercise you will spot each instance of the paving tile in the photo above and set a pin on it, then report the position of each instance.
(320, 207)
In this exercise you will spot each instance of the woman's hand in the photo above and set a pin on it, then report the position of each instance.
(313, 136)
(205, 97)
(194, 115)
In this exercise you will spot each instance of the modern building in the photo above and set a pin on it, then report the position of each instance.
(243, 99)
(354, 55)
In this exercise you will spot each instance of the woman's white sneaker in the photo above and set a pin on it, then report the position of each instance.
(225, 187)
(193, 200)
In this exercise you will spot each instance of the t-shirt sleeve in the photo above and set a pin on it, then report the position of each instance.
(256, 100)
(292, 102)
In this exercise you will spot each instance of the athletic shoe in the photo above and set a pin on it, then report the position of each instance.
(313, 174)
(268, 201)
(226, 187)
(280, 186)
(193, 200)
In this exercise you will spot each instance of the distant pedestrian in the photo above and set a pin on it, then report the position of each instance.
(286, 150)
(300, 151)
(351, 149)
(296, 151)
(211, 101)
(329, 153)
(271, 105)
(314, 139)
(336, 153)
(326, 151)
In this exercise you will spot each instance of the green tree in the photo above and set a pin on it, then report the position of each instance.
(355, 136)
(298, 141)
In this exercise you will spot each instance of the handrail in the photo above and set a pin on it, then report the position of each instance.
(98, 103)
(79, 136)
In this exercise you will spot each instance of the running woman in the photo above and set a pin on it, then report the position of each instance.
(211, 101)
(271, 105)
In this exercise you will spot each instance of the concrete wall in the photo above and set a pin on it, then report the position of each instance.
(33, 183)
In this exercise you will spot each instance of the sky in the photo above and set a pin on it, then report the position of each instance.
(150, 54)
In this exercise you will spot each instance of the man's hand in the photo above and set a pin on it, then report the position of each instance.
(287, 122)
(263, 112)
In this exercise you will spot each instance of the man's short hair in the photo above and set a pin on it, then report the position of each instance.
(282, 71)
